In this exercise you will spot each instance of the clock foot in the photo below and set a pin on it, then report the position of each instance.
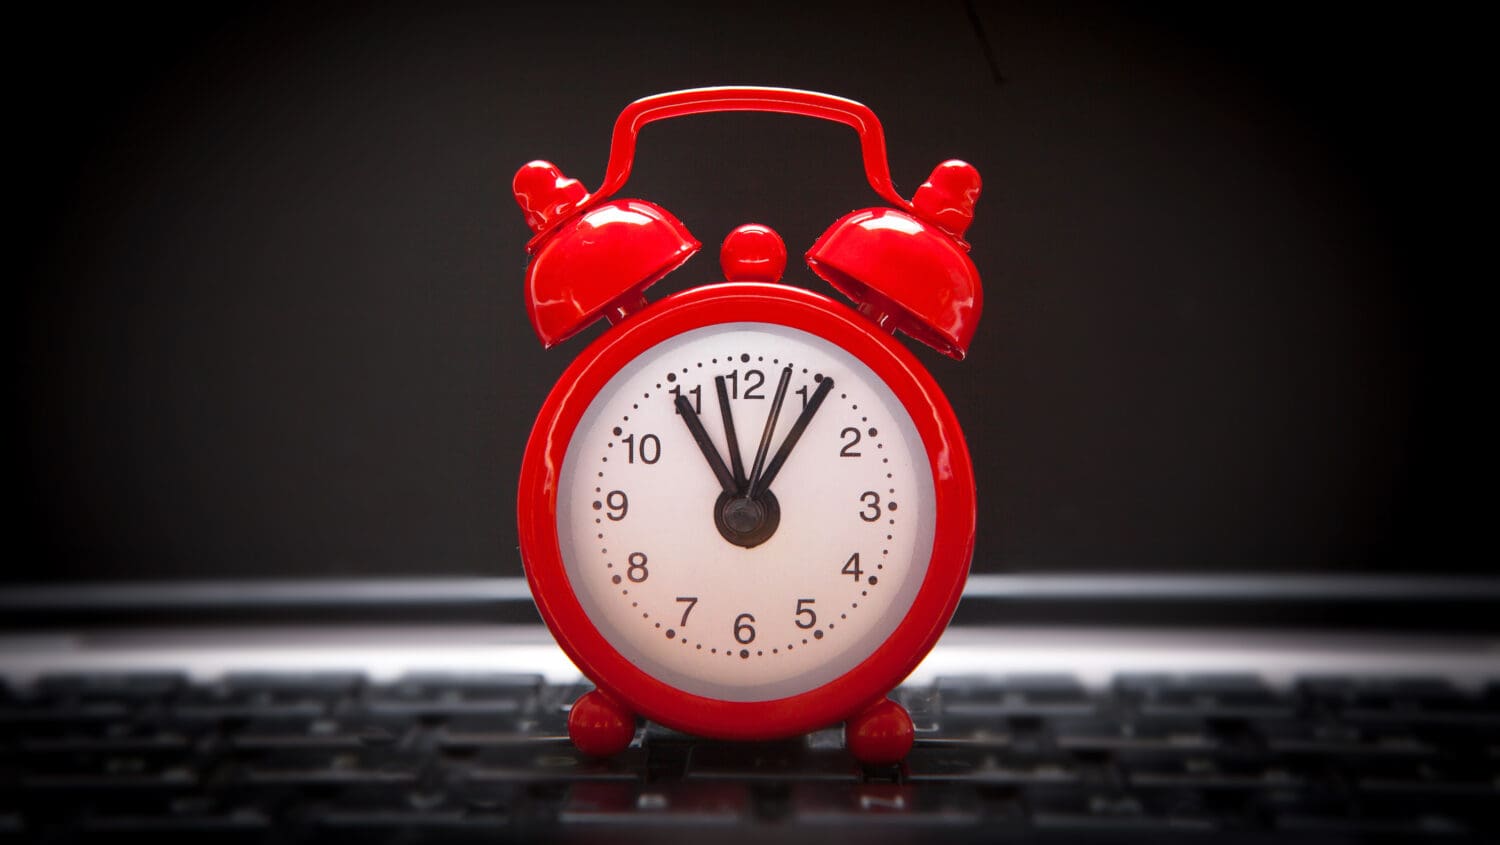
(599, 726)
(882, 734)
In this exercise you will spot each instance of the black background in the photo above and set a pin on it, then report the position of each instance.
(268, 313)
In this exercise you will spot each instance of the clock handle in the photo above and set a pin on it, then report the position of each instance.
(748, 98)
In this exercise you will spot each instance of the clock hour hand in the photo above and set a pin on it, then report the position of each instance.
(756, 483)
(735, 462)
(813, 403)
(716, 463)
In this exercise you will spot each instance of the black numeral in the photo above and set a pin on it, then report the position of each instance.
(619, 505)
(650, 451)
(804, 610)
(691, 602)
(636, 571)
(697, 392)
(802, 391)
(754, 380)
(851, 566)
(871, 511)
(744, 632)
(848, 450)
(759, 379)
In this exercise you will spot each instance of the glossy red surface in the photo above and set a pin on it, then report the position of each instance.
(948, 197)
(905, 275)
(756, 99)
(606, 256)
(881, 734)
(753, 253)
(954, 511)
(599, 726)
(545, 195)
(906, 267)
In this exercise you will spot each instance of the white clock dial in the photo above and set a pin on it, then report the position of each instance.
(749, 606)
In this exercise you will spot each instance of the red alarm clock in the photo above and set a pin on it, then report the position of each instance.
(746, 511)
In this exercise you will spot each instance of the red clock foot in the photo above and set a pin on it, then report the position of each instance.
(598, 726)
(881, 734)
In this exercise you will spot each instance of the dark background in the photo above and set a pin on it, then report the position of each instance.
(266, 269)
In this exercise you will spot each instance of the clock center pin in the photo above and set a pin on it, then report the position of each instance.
(747, 522)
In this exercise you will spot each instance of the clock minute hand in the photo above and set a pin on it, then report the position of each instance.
(756, 486)
(716, 463)
(736, 463)
(813, 403)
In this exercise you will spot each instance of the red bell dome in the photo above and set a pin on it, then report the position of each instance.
(594, 264)
(910, 272)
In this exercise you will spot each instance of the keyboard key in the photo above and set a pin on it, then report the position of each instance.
(107, 772)
(665, 805)
(430, 695)
(1205, 772)
(1348, 821)
(120, 687)
(1143, 733)
(752, 761)
(225, 700)
(1203, 696)
(25, 711)
(1327, 737)
(306, 767)
(230, 826)
(882, 805)
(324, 685)
(1113, 811)
(983, 766)
(484, 730)
(327, 733)
(547, 761)
(1401, 699)
(1429, 776)
(104, 737)
(966, 699)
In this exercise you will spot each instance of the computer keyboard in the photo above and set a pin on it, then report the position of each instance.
(271, 758)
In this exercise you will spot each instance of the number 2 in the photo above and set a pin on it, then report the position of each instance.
(848, 450)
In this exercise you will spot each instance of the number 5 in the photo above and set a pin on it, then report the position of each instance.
(803, 610)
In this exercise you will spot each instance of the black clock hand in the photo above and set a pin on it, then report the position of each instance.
(824, 387)
(716, 463)
(734, 443)
(765, 437)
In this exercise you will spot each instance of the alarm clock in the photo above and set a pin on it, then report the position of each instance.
(746, 511)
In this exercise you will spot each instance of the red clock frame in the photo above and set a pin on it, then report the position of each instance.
(862, 687)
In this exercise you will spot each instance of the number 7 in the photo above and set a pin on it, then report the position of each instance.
(692, 601)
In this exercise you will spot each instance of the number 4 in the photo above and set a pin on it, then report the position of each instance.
(851, 566)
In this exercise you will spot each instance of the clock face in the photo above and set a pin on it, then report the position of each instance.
(754, 576)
